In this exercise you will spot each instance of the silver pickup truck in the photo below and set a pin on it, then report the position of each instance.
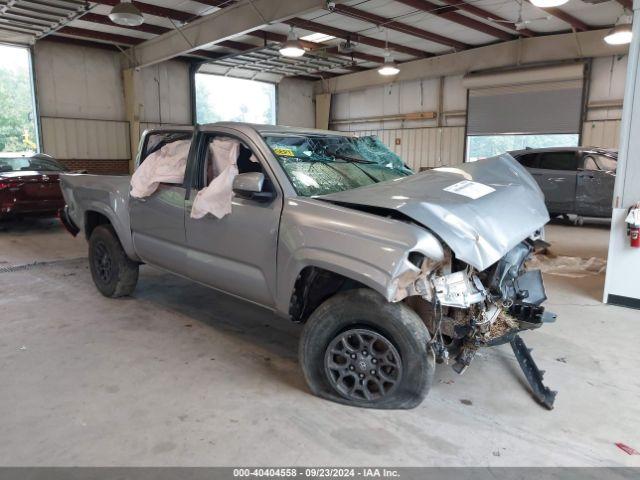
(389, 271)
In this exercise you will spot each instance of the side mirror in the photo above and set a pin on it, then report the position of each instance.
(250, 184)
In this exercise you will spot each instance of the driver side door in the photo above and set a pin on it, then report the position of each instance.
(236, 253)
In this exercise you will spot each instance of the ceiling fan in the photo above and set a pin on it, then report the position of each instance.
(520, 23)
(347, 47)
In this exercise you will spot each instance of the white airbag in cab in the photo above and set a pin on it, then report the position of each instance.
(216, 198)
(166, 165)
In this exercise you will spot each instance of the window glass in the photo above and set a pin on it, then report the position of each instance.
(33, 164)
(558, 160)
(322, 164)
(156, 141)
(230, 99)
(485, 146)
(529, 160)
(17, 107)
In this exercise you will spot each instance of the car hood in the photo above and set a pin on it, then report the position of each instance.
(481, 210)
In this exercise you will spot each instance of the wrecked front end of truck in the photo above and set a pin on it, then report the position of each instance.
(466, 310)
(488, 217)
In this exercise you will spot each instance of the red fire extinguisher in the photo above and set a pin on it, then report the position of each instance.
(633, 226)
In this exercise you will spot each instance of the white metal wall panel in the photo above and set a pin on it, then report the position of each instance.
(71, 138)
(151, 125)
(424, 147)
(601, 133)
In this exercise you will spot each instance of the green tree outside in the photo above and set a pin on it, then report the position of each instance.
(17, 126)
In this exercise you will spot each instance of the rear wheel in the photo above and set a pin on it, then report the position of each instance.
(361, 350)
(114, 274)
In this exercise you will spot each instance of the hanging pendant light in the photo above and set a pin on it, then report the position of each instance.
(127, 14)
(621, 33)
(292, 47)
(389, 67)
(548, 3)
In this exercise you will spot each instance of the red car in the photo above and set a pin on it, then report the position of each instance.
(29, 185)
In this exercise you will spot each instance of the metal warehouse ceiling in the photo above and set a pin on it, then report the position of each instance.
(414, 29)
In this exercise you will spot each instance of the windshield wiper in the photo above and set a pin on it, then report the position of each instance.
(352, 159)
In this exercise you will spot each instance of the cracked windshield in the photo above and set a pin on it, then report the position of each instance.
(319, 165)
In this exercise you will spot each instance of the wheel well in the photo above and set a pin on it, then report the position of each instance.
(92, 220)
(313, 286)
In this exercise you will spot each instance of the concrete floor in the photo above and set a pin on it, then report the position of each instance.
(181, 375)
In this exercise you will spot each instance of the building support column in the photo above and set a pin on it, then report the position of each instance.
(133, 107)
(623, 266)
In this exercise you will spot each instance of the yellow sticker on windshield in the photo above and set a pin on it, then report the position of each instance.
(284, 151)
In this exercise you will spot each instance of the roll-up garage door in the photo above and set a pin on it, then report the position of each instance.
(533, 101)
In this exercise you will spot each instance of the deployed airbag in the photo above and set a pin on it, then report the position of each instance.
(166, 165)
(216, 198)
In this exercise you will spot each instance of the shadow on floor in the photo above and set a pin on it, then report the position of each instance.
(258, 327)
(30, 225)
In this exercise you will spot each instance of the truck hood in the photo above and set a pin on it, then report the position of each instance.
(481, 210)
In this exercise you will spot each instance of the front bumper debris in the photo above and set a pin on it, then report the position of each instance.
(543, 395)
(471, 309)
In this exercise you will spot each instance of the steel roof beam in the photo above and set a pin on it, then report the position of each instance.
(278, 37)
(105, 20)
(355, 37)
(398, 26)
(154, 10)
(216, 27)
(576, 24)
(96, 35)
(452, 15)
(479, 12)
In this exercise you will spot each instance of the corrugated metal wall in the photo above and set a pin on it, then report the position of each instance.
(424, 147)
(601, 133)
(71, 138)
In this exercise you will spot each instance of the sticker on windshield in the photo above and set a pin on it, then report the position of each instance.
(284, 151)
(467, 188)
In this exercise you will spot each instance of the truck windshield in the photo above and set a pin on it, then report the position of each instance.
(323, 164)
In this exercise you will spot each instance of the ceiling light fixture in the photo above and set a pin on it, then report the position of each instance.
(292, 47)
(548, 3)
(317, 38)
(621, 33)
(127, 14)
(389, 67)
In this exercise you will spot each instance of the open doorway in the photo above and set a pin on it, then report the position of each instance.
(18, 125)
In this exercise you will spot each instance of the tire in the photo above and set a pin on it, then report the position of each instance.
(362, 323)
(113, 273)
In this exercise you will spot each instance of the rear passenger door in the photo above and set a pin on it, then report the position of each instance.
(596, 179)
(157, 221)
(557, 176)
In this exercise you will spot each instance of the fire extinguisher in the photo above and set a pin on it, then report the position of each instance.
(633, 225)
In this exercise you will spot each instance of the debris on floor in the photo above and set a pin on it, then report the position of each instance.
(627, 449)
(464, 401)
(561, 359)
(565, 266)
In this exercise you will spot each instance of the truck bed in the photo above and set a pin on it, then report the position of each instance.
(106, 195)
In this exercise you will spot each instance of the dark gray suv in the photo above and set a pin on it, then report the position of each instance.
(575, 180)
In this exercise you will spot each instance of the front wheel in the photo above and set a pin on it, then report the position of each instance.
(361, 350)
(114, 274)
